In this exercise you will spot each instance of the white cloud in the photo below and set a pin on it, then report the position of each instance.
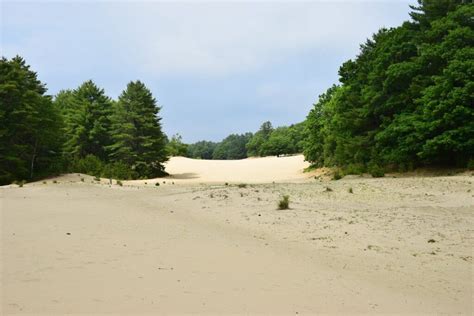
(172, 39)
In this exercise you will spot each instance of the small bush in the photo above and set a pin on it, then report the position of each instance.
(21, 183)
(328, 189)
(376, 171)
(157, 184)
(119, 183)
(54, 181)
(242, 185)
(337, 175)
(350, 190)
(90, 164)
(44, 182)
(97, 179)
(355, 168)
(284, 203)
(227, 183)
(82, 179)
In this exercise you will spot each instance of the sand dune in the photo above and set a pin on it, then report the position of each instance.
(393, 245)
(250, 170)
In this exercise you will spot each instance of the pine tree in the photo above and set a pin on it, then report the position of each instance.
(87, 114)
(29, 123)
(136, 131)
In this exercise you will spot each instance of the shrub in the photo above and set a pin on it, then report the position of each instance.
(82, 179)
(242, 185)
(119, 182)
(54, 181)
(354, 168)
(90, 164)
(284, 203)
(328, 189)
(44, 182)
(21, 183)
(118, 170)
(157, 184)
(96, 179)
(350, 190)
(337, 175)
(376, 171)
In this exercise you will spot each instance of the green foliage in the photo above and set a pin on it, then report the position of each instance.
(176, 147)
(201, 150)
(90, 164)
(405, 101)
(275, 142)
(376, 171)
(30, 124)
(86, 113)
(232, 147)
(254, 146)
(284, 203)
(137, 138)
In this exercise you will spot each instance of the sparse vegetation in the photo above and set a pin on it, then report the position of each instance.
(337, 174)
(242, 185)
(82, 179)
(55, 181)
(327, 189)
(350, 190)
(97, 179)
(119, 183)
(157, 184)
(284, 203)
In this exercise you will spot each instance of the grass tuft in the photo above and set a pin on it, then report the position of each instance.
(284, 203)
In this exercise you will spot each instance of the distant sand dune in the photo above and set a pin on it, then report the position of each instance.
(250, 170)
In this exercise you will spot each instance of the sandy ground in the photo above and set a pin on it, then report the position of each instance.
(394, 245)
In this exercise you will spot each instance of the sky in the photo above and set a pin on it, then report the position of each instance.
(215, 68)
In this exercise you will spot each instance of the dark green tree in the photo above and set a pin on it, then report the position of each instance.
(136, 131)
(30, 137)
(87, 113)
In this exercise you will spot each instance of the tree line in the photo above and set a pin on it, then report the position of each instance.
(80, 130)
(407, 99)
(267, 141)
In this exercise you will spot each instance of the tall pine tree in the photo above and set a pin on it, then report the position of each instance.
(136, 131)
(29, 124)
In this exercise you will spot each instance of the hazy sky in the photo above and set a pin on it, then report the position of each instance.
(215, 67)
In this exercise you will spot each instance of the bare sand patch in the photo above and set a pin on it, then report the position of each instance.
(399, 245)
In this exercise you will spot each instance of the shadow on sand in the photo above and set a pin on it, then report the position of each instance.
(184, 176)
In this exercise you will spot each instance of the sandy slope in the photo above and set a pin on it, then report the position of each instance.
(251, 170)
(83, 247)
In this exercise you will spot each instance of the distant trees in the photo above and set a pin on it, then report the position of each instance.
(30, 124)
(254, 146)
(176, 147)
(232, 147)
(406, 100)
(267, 141)
(201, 150)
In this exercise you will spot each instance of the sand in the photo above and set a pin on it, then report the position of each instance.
(395, 245)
